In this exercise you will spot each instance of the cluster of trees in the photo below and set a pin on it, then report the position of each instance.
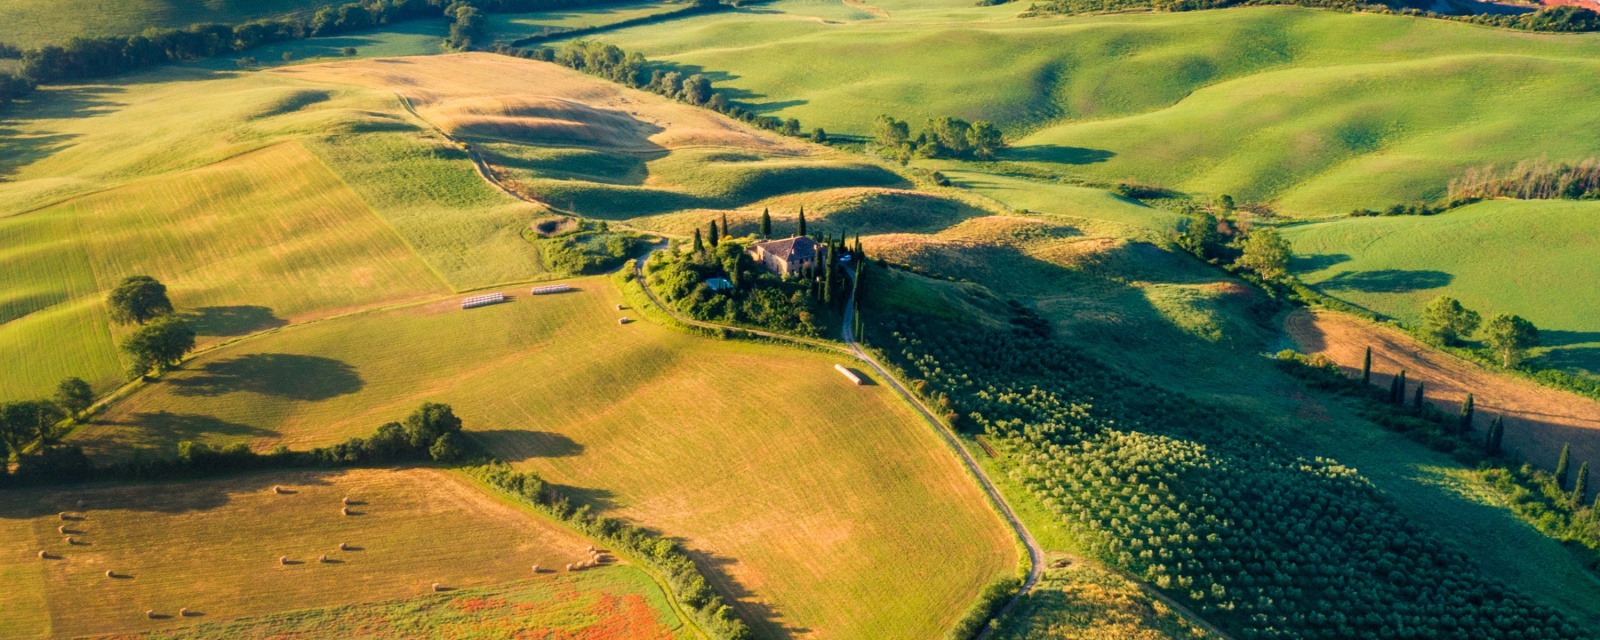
(1544, 499)
(794, 304)
(1260, 253)
(591, 247)
(630, 68)
(1559, 19)
(1405, 210)
(940, 138)
(1530, 180)
(1446, 321)
(432, 432)
(28, 423)
(1262, 541)
(162, 338)
(661, 554)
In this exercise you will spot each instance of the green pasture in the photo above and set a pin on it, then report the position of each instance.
(1061, 199)
(507, 27)
(1524, 257)
(823, 491)
(31, 23)
(1318, 112)
(409, 38)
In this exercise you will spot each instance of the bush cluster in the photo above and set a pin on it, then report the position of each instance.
(592, 247)
(940, 138)
(993, 598)
(661, 554)
(1263, 542)
(432, 432)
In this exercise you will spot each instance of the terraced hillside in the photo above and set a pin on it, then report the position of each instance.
(1318, 112)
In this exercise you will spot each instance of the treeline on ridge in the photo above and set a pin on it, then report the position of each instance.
(84, 58)
(1261, 541)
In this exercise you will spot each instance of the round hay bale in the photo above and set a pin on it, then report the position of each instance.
(46, 556)
(437, 587)
(322, 558)
(109, 574)
(183, 613)
(346, 500)
(283, 559)
(535, 567)
(344, 511)
(150, 614)
(62, 529)
(569, 566)
(70, 541)
(277, 489)
(62, 515)
(591, 548)
(343, 547)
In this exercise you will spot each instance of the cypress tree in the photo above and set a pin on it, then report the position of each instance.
(802, 221)
(1561, 466)
(714, 236)
(1400, 398)
(727, 231)
(1580, 486)
(766, 225)
(1466, 417)
(1416, 401)
(1491, 444)
(1366, 368)
(827, 281)
(698, 245)
(1394, 390)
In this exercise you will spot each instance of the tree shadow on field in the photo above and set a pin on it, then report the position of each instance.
(168, 497)
(1561, 338)
(1305, 264)
(518, 445)
(1057, 154)
(232, 321)
(766, 622)
(20, 148)
(1387, 281)
(296, 377)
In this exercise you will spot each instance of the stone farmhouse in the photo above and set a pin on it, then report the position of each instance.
(787, 256)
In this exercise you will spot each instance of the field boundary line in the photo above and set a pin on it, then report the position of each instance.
(672, 599)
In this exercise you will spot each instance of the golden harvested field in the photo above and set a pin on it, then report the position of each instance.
(213, 547)
(489, 96)
(827, 510)
(245, 244)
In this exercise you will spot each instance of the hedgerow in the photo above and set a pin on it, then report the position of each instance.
(1262, 541)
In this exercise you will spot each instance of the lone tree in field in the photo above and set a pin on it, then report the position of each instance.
(1512, 336)
(766, 225)
(1561, 466)
(160, 344)
(137, 300)
(1266, 253)
(1446, 320)
(74, 396)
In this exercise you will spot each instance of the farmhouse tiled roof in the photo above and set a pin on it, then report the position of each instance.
(796, 248)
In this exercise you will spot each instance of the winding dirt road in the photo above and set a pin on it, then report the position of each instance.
(1538, 419)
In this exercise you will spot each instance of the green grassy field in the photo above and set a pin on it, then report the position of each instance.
(823, 492)
(507, 27)
(30, 23)
(213, 547)
(1319, 112)
(1503, 256)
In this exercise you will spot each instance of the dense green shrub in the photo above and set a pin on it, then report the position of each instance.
(660, 554)
(1260, 540)
(591, 248)
(993, 598)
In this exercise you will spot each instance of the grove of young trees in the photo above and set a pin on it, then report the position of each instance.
(940, 138)
(1262, 541)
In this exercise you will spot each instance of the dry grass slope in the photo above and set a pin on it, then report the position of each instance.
(213, 547)
(826, 509)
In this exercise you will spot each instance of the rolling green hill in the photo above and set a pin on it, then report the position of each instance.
(1521, 257)
(30, 23)
(1318, 111)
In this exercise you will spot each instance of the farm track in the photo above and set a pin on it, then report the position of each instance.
(1539, 419)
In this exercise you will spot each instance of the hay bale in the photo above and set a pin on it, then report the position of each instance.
(437, 587)
(344, 511)
(346, 500)
(62, 515)
(277, 489)
(46, 556)
(62, 529)
(535, 567)
(183, 613)
(109, 574)
(322, 559)
(343, 547)
(70, 541)
(283, 559)
(591, 548)
(151, 614)
(569, 566)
